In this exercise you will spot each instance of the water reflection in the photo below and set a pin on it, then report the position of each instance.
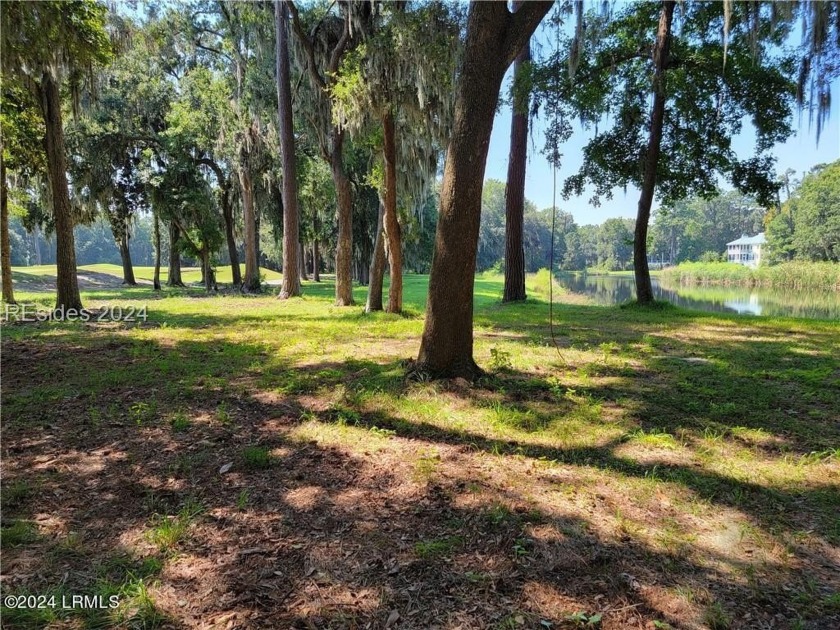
(609, 290)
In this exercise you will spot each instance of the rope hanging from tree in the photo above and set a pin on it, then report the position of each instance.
(555, 158)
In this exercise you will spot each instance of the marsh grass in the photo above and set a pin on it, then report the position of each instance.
(822, 276)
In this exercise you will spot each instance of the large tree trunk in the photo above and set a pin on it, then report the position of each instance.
(494, 38)
(5, 255)
(316, 264)
(251, 283)
(233, 254)
(377, 265)
(391, 223)
(344, 246)
(125, 256)
(644, 288)
(156, 278)
(174, 276)
(67, 283)
(515, 190)
(302, 262)
(291, 216)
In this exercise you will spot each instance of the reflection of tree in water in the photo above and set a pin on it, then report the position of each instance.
(608, 290)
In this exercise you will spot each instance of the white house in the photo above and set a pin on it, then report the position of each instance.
(746, 250)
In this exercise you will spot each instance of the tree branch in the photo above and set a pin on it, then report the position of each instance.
(341, 46)
(224, 184)
(308, 46)
(521, 25)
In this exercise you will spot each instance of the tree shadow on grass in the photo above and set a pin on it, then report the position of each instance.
(327, 538)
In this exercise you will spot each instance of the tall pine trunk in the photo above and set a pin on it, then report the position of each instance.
(494, 38)
(292, 250)
(156, 278)
(125, 257)
(515, 190)
(344, 210)
(174, 275)
(251, 282)
(5, 255)
(391, 223)
(233, 254)
(644, 288)
(377, 265)
(67, 283)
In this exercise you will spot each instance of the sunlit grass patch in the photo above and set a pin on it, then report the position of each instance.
(166, 531)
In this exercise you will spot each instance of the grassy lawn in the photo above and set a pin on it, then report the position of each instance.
(36, 277)
(242, 462)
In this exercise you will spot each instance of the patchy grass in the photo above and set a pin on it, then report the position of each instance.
(662, 468)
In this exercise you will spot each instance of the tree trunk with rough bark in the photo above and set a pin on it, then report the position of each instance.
(125, 257)
(316, 264)
(377, 265)
(494, 38)
(251, 282)
(209, 276)
(302, 262)
(292, 250)
(344, 211)
(644, 287)
(515, 190)
(156, 278)
(233, 254)
(391, 223)
(174, 275)
(5, 244)
(67, 283)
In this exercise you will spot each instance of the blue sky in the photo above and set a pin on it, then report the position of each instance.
(800, 153)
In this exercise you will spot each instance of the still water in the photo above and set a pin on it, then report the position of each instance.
(746, 301)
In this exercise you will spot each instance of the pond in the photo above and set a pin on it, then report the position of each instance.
(609, 290)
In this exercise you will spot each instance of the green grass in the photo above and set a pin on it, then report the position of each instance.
(190, 275)
(18, 533)
(166, 531)
(705, 444)
(256, 457)
(429, 549)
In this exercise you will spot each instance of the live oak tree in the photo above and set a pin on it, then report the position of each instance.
(665, 105)
(318, 55)
(199, 125)
(21, 153)
(183, 196)
(494, 37)
(44, 45)
(399, 80)
(107, 143)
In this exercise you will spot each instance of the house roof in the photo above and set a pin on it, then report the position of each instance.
(758, 239)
